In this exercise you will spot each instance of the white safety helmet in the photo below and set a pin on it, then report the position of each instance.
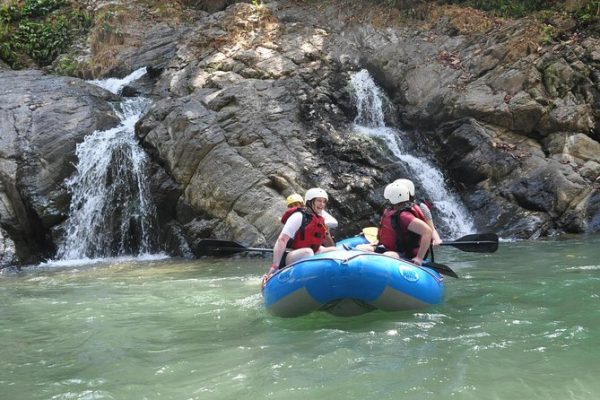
(409, 184)
(313, 193)
(396, 193)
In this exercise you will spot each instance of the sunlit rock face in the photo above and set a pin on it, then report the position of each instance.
(506, 122)
(251, 104)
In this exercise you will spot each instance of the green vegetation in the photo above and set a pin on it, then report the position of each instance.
(589, 14)
(37, 31)
(67, 65)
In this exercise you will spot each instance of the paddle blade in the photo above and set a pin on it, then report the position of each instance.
(490, 237)
(441, 268)
(370, 234)
(476, 243)
(215, 247)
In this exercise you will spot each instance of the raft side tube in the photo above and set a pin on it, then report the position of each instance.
(347, 283)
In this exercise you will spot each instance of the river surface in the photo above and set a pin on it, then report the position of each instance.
(522, 323)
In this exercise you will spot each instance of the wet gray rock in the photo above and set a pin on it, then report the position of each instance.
(248, 125)
(158, 46)
(8, 252)
(42, 118)
(256, 105)
(508, 123)
(515, 175)
(252, 104)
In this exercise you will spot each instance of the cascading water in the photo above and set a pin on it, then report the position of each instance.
(111, 211)
(370, 121)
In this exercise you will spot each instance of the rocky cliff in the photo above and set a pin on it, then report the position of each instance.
(252, 103)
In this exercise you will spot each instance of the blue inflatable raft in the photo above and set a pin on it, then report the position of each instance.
(351, 282)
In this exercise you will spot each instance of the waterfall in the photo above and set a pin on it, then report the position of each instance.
(111, 211)
(368, 98)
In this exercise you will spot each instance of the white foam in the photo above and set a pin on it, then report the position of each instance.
(115, 84)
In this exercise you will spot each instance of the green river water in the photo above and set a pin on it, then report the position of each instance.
(522, 323)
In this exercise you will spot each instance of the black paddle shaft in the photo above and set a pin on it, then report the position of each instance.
(217, 247)
(476, 243)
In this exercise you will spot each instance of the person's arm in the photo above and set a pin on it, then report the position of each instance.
(330, 220)
(330, 223)
(328, 241)
(421, 228)
(289, 231)
(436, 240)
(278, 251)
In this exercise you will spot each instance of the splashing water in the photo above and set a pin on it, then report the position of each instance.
(370, 121)
(111, 211)
(114, 85)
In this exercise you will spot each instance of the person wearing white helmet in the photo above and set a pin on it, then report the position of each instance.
(295, 200)
(402, 231)
(425, 207)
(306, 226)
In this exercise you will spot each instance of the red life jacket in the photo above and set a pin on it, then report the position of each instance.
(394, 234)
(311, 232)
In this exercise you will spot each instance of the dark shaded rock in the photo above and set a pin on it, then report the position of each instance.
(210, 6)
(593, 212)
(158, 47)
(467, 150)
(535, 192)
(42, 118)
(130, 91)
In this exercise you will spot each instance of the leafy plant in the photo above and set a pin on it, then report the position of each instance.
(44, 41)
(10, 12)
(40, 8)
(548, 34)
(589, 12)
(38, 30)
(6, 48)
(67, 65)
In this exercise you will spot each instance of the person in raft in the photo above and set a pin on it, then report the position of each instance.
(425, 207)
(306, 226)
(403, 231)
(296, 200)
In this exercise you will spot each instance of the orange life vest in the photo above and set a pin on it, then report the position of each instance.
(312, 231)
(394, 234)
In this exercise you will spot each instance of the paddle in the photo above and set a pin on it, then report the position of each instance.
(473, 243)
(441, 268)
(225, 247)
(476, 243)
(370, 233)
